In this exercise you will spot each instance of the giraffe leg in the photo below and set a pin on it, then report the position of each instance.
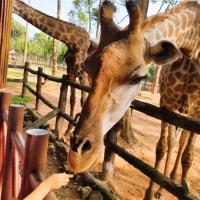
(161, 149)
(171, 144)
(182, 143)
(187, 159)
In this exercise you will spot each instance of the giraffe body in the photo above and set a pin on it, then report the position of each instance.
(179, 84)
(180, 92)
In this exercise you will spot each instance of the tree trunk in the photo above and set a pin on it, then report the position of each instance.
(26, 40)
(127, 132)
(156, 80)
(98, 20)
(55, 44)
(54, 58)
(89, 15)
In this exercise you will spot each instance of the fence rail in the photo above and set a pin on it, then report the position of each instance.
(156, 176)
(111, 147)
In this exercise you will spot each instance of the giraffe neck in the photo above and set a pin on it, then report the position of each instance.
(180, 25)
(65, 32)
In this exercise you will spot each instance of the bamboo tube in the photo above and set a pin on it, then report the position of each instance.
(35, 158)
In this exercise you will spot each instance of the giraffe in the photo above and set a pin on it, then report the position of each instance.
(120, 64)
(76, 38)
(180, 92)
(117, 68)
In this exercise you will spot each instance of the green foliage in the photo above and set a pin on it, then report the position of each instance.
(13, 73)
(17, 37)
(17, 29)
(151, 72)
(78, 17)
(40, 45)
(62, 49)
(85, 12)
(16, 99)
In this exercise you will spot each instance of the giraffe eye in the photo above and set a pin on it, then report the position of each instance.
(136, 79)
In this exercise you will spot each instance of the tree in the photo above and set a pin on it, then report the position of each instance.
(26, 39)
(40, 45)
(17, 37)
(96, 14)
(55, 44)
(84, 13)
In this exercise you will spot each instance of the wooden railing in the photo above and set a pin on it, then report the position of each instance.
(14, 148)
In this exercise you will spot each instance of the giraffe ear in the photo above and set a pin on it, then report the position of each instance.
(163, 53)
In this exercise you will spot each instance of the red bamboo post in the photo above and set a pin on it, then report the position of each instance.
(35, 159)
(4, 105)
(10, 165)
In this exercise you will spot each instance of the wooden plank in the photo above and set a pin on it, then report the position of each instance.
(89, 179)
(15, 80)
(167, 116)
(42, 120)
(51, 78)
(15, 66)
(45, 101)
(35, 72)
(165, 182)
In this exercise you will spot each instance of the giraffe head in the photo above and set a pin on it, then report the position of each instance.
(117, 67)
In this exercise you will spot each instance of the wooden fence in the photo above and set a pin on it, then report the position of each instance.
(110, 140)
(58, 111)
(14, 149)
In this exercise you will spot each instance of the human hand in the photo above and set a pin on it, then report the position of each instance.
(56, 181)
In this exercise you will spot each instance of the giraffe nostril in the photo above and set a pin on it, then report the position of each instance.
(87, 146)
(84, 146)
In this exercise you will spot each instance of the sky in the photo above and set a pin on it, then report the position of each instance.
(49, 7)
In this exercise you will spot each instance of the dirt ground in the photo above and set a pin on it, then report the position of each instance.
(128, 183)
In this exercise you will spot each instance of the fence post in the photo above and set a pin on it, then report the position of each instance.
(61, 104)
(38, 87)
(10, 178)
(4, 106)
(109, 155)
(25, 78)
(5, 28)
(35, 159)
